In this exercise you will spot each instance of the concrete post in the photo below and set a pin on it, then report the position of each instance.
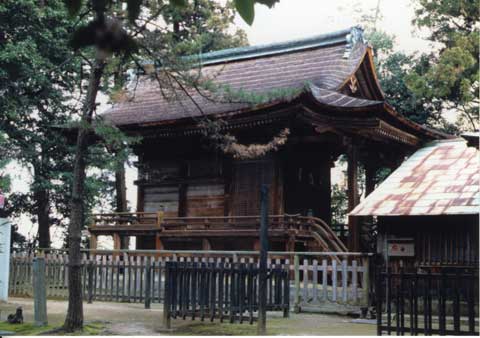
(5, 233)
(39, 292)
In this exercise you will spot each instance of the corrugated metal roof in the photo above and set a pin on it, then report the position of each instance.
(439, 179)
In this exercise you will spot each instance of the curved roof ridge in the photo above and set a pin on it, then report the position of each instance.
(348, 36)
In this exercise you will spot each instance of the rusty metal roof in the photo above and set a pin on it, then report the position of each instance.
(439, 179)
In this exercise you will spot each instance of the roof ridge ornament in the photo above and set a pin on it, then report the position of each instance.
(353, 37)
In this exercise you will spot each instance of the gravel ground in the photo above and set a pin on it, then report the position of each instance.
(133, 319)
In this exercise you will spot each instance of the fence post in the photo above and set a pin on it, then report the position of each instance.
(379, 299)
(366, 281)
(90, 281)
(262, 273)
(296, 267)
(286, 294)
(40, 291)
(148, 284)
(166, 299)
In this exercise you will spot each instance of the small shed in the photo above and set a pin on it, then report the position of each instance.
(428, 209)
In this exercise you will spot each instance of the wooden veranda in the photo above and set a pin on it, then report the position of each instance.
(289, 228)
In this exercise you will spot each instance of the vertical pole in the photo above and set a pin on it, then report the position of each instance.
(166, 299)
(262, 289)
(40, 291)
(353, 198)
(93, 244)
(296, 270)
(117, 244)
(90, 281)
(206, 245)
(6, 262)
(366, 281)
(379, 299)
(148, 282)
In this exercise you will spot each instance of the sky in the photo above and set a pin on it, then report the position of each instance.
(289, 19)
(293, 19)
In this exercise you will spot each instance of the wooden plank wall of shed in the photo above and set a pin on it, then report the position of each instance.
(440, 241)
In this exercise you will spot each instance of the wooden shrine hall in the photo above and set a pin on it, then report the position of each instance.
(193, 196)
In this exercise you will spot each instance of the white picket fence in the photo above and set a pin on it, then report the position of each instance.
(316, 278)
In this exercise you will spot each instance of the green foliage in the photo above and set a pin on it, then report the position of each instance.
(393, 68)
(225, 93)
(202, 26)
(451, 74)
(34, 93)
(246, 8)
(5, 179)
(339, 205)
(40, 82)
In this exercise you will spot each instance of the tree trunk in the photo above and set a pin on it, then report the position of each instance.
(74, 319)
(43, 216)
(121, 189)
(121, 200)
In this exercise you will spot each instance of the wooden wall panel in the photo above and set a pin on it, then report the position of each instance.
(160, 171)
(162, 198)
(205, 199)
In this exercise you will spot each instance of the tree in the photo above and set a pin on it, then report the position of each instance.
(107, 33)
(451, 73)
(207, 23)
(393, 68)
(38, 98)
(33, 97)
(5, 180)
(17, 240)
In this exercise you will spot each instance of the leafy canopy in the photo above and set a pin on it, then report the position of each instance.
(452, 73)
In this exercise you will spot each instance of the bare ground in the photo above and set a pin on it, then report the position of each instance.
(133, 319)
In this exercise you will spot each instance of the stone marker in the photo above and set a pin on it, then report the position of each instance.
(39, 291)
(5, 229)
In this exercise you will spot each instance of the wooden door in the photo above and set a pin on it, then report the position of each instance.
(248, 176)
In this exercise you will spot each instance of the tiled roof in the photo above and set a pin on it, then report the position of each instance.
(325, 61)
(441, 178)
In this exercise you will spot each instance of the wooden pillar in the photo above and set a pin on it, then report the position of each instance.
(256, 245)
(117, 244)
(158, 243)
(125, 242)
(353, 198)
(325, 193)
(370, 172)
(290, 244)
(290, 247)
(206, 245)
(93, 241)
(182, 200)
